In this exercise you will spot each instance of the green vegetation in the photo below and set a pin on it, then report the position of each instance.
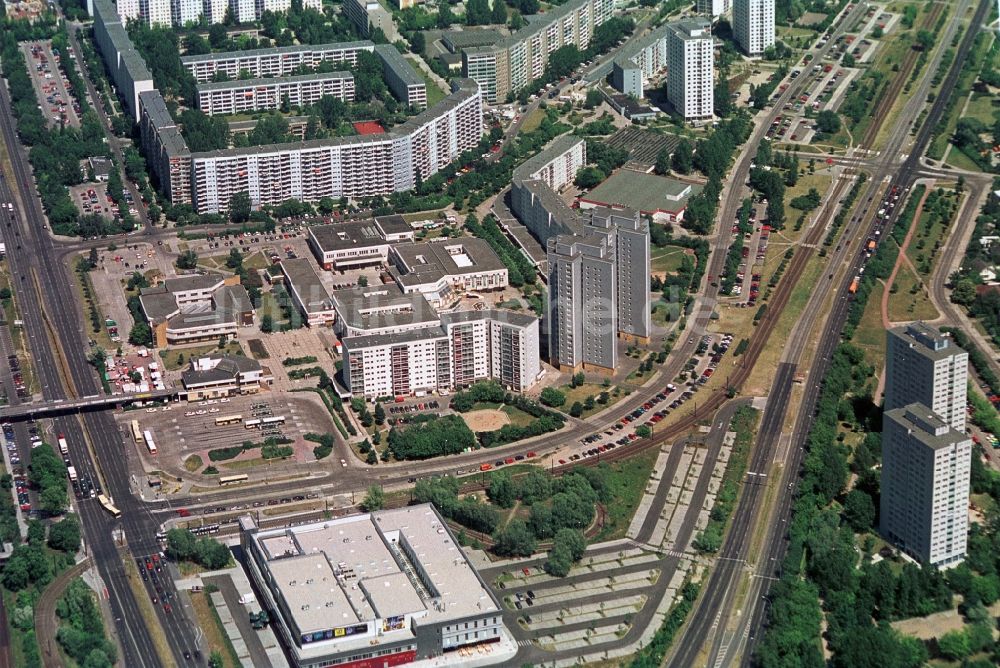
(47, 473)
(653, 654)
(468, 511)
(182, 545)
(431, 436)
(519, 268)
(269, 449)
(81, 631)
(982, 305)
(550, 396)
(307, 372)
(299, 361)
(325, 447)
(540, 421)
(712, 159)
(744, 423)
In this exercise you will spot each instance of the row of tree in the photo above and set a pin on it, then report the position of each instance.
(182, 545)
(430, 436)
(520, 270)
(81, 631)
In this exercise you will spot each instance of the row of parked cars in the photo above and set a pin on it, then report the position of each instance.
(20, 481)
(15, 370)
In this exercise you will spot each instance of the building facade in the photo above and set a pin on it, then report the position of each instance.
(508, 66)
(925, 485)
(713, 8)
(308, 293)
(753, 25)
(455, 351)
(924, 366)
(196, 308)
(535, 184)
(690, 72)
(234, 97)
(634, 67)
(274, 62)
(217, 375)
(405, 83)
(127, 68)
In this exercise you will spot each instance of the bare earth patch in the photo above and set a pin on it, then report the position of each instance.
(487, 419)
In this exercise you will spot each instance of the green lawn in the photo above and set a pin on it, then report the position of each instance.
(434, 92)
(957, 158)
(532, 122)
(517, 417)
(905, 304)
(177, 358)
(667, 259)
(626, 484)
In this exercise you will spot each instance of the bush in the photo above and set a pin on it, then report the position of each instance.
(182, 545)
(552, 397)
(430, 436)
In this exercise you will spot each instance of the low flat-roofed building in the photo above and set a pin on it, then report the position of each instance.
(221, 375)
(662, 198)
(456, 40)
(199, 307)
(380, 309)
(348, 245)
(394, 228)
(308, 292)
(393, 585)
(442, 270)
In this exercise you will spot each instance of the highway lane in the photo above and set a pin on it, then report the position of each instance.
(775, 548)
(49, 304)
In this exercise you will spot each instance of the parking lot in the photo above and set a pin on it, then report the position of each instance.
(51, 85)
(114, 268)
(93, 198)
(185, 430)
(275, 246)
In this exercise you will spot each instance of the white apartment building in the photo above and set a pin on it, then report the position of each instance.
(127, 9)
(380, 309)
(273, 62)
(460, 349)
(713, 8)
(233, 97)
(244, 11)
(924, 366)
(753, 25)
(215, 10)
(183, 12)
(156, 12)
(690, 73)
(354, 167)
(925, 485)
(644, 58)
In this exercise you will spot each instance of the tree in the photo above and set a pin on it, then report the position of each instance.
(516, 21)
(573, 540)
(643, 431)
(662, 165)
(217, 36)
(964, 292)
(362, 281)
(682, 159)
(180, 544)
(498, 12)
(65, 535)
(567, 548)
(187, 260)
(578, 379)
(828, 122)
(552, 397)
(374, 499)
(418, 43)
(235, 259)
(140, 334)
(215, 659)
(954, 645)
(502, 490)
(267, 323)
(239, 207)
(563, 61)
(589, 177)
(379, 414)
(594, 98)
(576, 410)
(515, 540)
(859, 510)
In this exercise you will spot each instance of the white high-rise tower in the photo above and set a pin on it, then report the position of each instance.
(753, 25)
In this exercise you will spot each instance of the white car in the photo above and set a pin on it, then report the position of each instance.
(213, 410)
(189, 414)
(200, 412)
(224, 401)
(150, 410)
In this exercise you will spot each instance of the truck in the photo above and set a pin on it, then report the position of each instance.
(63, 446)
(854, 286)
(71, 472)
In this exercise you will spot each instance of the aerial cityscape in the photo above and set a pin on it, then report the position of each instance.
(370, 333)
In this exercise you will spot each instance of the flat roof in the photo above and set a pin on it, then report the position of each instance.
(926, 426)
(643, 192)
(393, 338)
(354, 569)
(499, 315)
(536, 23)
(399, 65)
(430, 260)
(927, 340)
(456, 40)
(264, 81)
(273, 51)
(380, 306)
(393, 224)
(342, 236)
(692, 28)
(306, 284)
(557, 147)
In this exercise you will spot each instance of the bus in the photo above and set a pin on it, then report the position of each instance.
(228, 419)
(63, 446)
(150, 445)
(252, 424)
(136, 432)
(106, 504)
(227, 480)
(268, 421)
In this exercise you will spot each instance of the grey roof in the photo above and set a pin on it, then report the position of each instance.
(265, 81)
(169, 135)
(393, 224)
(685, 28)
(234, 298)
(306, 284)
(341, 236)
(157, 303)
(624, 59)
(553, 204)
(376, 307)
(201, 316)
(396, 338)
(421, 262)
(463, 89)
(228, 368)
(400, 66)
(456, 40)
(926, 426)
(500, 315)
(927, 341)
(299, 48)
(556, 147)
(193, 282)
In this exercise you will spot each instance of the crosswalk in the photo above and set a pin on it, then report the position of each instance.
(524, 643)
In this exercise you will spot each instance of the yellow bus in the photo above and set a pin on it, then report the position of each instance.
(106, 504)
(136, 432)
(227, 480)
(228, 419)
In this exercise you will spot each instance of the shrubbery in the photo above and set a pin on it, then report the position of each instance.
(430, 436)
(182, 545)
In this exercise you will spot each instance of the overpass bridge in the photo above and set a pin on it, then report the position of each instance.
(40, 409)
